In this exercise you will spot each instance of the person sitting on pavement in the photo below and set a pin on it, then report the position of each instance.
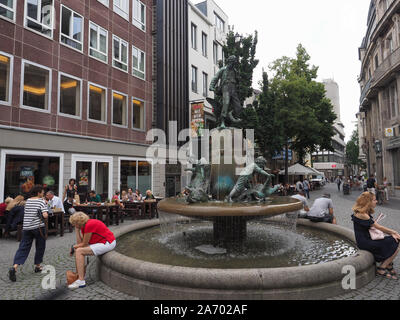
(3, 206)
(385, 250)
(301, 196)
(93, 239)
(322, 210)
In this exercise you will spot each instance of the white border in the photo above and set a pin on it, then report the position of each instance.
(37, 32)
(5, 152)
(14, 9)
(144, 115)
(10, 86)
(127, 53)
(98, 38)
(94, 159)
(61, 34)
(88, 103)
(59, 96)
(48, 110)
(126, 108)
(102, 2)
(120, 159)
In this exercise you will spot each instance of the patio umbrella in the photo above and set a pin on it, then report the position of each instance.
(298, 170)
(317, 173)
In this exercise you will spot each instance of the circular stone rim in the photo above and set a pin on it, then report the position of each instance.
(210, 210)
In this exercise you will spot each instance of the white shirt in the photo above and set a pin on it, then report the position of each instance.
(56, 203)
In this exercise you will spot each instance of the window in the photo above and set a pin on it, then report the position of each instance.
(7, 9)
(194, 79)
(139, 15)
(120, 53)
(119, 109)
(376, 62)
(135, 174)
(36, 86)
(121, 7)
(5, 78)
(98, 42)
(70, 95)
(392, 100)
(204, 44)
(194, 36)
(97, 103)
(138, 114)
(219, 23)
(71, 28)
(139, 63)
(215, 53)
(205, 85)
(39, 16)
(105, 2)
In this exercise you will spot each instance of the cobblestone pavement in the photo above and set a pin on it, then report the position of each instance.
(28, 285)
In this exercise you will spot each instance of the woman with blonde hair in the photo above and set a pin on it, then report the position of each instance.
(92, 238)
(384, 250)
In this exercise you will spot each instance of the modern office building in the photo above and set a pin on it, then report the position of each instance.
(379, 114)
(332, 163)
(76, 95)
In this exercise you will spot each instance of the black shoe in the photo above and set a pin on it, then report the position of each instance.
(12, 275)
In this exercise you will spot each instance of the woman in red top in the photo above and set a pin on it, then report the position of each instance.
(93, 238)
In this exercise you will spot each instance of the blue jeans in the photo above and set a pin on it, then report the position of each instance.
(307, 192)
(26, 244)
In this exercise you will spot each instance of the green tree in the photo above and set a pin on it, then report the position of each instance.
(353, 151)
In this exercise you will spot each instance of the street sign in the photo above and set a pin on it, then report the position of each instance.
(389, 132)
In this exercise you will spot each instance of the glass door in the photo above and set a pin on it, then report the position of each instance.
(84, 179)
(102, 183)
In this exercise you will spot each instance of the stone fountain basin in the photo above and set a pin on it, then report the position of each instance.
(152, 281)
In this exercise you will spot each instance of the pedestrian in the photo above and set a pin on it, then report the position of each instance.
(384, 250)
(299, 186)
(93, 238)
(371, 184)
(386, 188)
(306, 188)
(338, 182)
(322, 210)
(33, 229)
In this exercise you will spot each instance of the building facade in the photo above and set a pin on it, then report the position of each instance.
(76, 95)
(379, 116)
(332, 163)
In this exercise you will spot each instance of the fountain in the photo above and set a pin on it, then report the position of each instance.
(230, 239)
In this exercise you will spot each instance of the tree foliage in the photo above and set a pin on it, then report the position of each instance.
(353, 151)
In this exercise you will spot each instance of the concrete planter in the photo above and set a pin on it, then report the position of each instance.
(159, 282)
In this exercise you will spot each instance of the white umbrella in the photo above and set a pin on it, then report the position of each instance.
(298, 170)
(317, 172)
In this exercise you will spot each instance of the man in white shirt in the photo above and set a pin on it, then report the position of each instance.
(54, 201)
(322, 210)
(301, 196)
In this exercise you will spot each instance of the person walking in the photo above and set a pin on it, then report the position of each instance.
(338, 182)
(33, 229)
(385, 250)
(306, 188)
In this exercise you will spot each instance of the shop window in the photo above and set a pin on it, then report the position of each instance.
(70, 96)
(97, 103)
(135, 174)
(5, 82)
(71, 28)
(138, 114)
(119, 109)
(23, 172)
(39, 16)
(36, 86)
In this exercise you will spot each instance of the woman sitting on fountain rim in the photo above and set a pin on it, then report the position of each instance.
(93, 238)
(385, 250)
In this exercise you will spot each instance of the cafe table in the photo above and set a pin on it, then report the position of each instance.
(98, 211)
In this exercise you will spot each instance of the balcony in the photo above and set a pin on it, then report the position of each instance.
(394, 143)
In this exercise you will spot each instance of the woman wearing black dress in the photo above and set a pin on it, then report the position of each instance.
(385, 250)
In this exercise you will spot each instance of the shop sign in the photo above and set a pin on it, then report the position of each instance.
(197, 120)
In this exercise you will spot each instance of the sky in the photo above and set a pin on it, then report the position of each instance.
(330, 30)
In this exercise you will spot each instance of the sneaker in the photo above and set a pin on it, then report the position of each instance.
(77, 284)
(12, 275)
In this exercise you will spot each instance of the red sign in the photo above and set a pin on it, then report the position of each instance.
(334, 166)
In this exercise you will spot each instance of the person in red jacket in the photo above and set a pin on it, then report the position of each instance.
(93, 238)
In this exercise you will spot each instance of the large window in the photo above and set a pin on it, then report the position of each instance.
(97, 103)
(204, 44)
(219, 23)
(135, 174)
(98, 42)
(205, 85)
(5, 78)
(71, 28)
(392, 100)
(120, 53)
(121, 7)
(36, 86)
(215, 53)
(139, 14)
(194, 36)
(70, 96)
(39, 16)
(22, 172)
(7, 9)
(194, 79)
(120, 109)
(138, 63)
(138, 114)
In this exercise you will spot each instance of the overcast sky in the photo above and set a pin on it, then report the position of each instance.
(330, 30)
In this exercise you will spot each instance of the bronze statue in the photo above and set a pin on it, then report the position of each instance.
(200, 182)
(226, 104)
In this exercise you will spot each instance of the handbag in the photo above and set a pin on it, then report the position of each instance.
(375, 233)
